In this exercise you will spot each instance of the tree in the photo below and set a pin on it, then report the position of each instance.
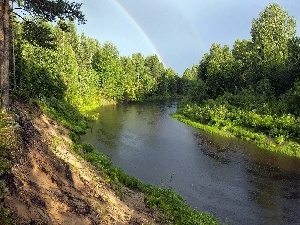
(107, 64)
(128, 69)
(217, 70)
(246, 73)
(4, 54)
(157, 70)
(271, 35)
(47, 9)
(189, 79)
(171, 79)
(39, 32)
(142, 75)
(294, 60)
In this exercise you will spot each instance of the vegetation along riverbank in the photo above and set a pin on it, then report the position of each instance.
(251, 91)
(56, 75)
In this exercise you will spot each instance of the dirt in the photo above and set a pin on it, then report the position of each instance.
(51, 184)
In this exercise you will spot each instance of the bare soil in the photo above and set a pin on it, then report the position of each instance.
(51, 184)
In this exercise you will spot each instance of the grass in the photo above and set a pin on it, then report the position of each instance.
(207, 128)
(278, 145)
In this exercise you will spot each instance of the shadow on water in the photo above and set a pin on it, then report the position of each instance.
(228, 177)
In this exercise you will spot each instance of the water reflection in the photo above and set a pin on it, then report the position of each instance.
(230, 178)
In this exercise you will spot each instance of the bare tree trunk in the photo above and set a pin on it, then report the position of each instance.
(1, 48)
(4, 54)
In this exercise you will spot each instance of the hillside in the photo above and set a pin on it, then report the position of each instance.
(50, 184)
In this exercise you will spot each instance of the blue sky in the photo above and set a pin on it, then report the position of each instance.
(180, 31)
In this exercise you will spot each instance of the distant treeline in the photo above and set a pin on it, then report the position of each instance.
(54, 61)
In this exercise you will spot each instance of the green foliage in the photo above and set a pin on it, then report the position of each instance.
(39, 32)
(272, 33)
(87, 147)
(272, 132)
(217, 70)
(66, 66)
(5, 165)
(65, 113)
(6, 128)
(132, 79)
(39, 74)
(253, 90)
(5, 216)
(189, 78)
(50, 10)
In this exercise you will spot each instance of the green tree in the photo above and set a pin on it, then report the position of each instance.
(107, 64)
(155, 66)
(39, 32)
(130, 88)
(294, 60)
(40, 74)
(217, 70)
(245, 63)
(142, 74)
(271, 35)
(157, 70)
(50, 10)
(189, 79)
(171, 78)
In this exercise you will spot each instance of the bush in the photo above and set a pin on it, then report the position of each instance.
(87, 147)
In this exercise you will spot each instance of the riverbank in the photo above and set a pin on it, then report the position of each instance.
(50, 184)
(290, 148)
(53, 180)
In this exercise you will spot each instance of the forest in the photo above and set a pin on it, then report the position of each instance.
(79, 69)
(252, 90)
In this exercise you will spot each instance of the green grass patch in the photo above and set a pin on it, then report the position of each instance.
(172, 204)
(207, 128)
(278, 145)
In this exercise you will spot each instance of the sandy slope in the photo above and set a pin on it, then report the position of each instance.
(50, 184)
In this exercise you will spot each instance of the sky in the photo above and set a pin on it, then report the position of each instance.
(179, 32)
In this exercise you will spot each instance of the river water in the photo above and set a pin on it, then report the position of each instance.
(227, 177)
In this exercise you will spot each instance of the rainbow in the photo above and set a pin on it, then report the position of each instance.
(140, 28)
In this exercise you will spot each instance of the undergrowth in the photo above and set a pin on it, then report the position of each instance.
(6, 130)
(65, 113)
(264, 131)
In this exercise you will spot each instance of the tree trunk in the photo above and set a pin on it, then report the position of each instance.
(12, 39)
(1, 47)
(4, 54)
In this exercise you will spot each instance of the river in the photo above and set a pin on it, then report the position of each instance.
(227, 177)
